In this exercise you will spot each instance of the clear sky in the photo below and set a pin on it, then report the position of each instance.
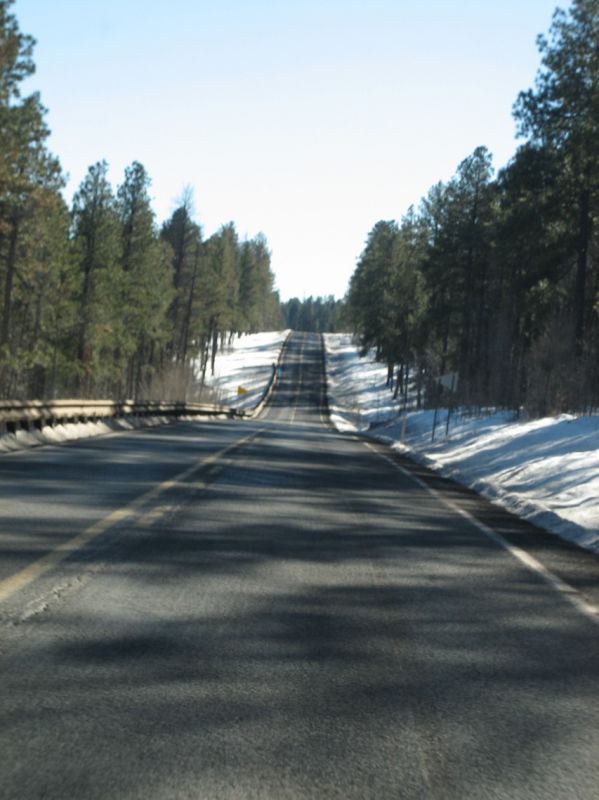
(309, 120)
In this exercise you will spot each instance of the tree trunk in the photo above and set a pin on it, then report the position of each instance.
(399, 381)
(11, 262)
(419, 382)
(581, 270)
(406, 386)
(214, 348)
(390, 368)
(204, 362)
(187, 323)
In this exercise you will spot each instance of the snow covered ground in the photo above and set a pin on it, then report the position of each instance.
(248, 364)
(545, 470)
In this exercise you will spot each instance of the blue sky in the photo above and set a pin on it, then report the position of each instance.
(306, 120)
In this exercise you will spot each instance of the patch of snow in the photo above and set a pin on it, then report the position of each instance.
(544, 470)
(247, 364)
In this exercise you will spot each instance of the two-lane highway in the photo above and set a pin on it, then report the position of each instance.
(268, 609)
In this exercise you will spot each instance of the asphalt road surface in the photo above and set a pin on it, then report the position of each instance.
(269, 609)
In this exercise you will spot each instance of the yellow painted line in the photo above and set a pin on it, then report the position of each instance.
(24, 577)
(152, 516)
(299, 383)
(323, 390)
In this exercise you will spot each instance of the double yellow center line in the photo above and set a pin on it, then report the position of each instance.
(298, 391)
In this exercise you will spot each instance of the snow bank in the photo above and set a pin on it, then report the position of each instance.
(248, 364)
(68, 432)
(544, 470)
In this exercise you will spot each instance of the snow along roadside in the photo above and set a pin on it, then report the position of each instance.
(248, 363)
(545, 471)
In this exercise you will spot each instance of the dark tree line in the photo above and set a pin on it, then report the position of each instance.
(98, 299)
(496, 277)
(316, 314)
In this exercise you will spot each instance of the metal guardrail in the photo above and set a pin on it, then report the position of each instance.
(272, 383)
(35, 414)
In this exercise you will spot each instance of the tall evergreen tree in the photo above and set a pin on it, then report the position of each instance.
(220, 289)
(184, 237)
(561, 114)
(44, 322)
(145, 279)
(30, 177)
(370, 290)
(97, 247)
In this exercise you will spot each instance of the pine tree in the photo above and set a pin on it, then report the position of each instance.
(219, 290)
(145, 279)
(44, 322)
(96, 244)
(370, 291)
(30, 177)
(184, 238)
(459, 218)
(258, 306)
(562, 114)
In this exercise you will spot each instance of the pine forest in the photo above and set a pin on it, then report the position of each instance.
(487, 293)
(98, 300)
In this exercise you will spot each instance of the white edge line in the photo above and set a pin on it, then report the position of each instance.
(569, 593)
